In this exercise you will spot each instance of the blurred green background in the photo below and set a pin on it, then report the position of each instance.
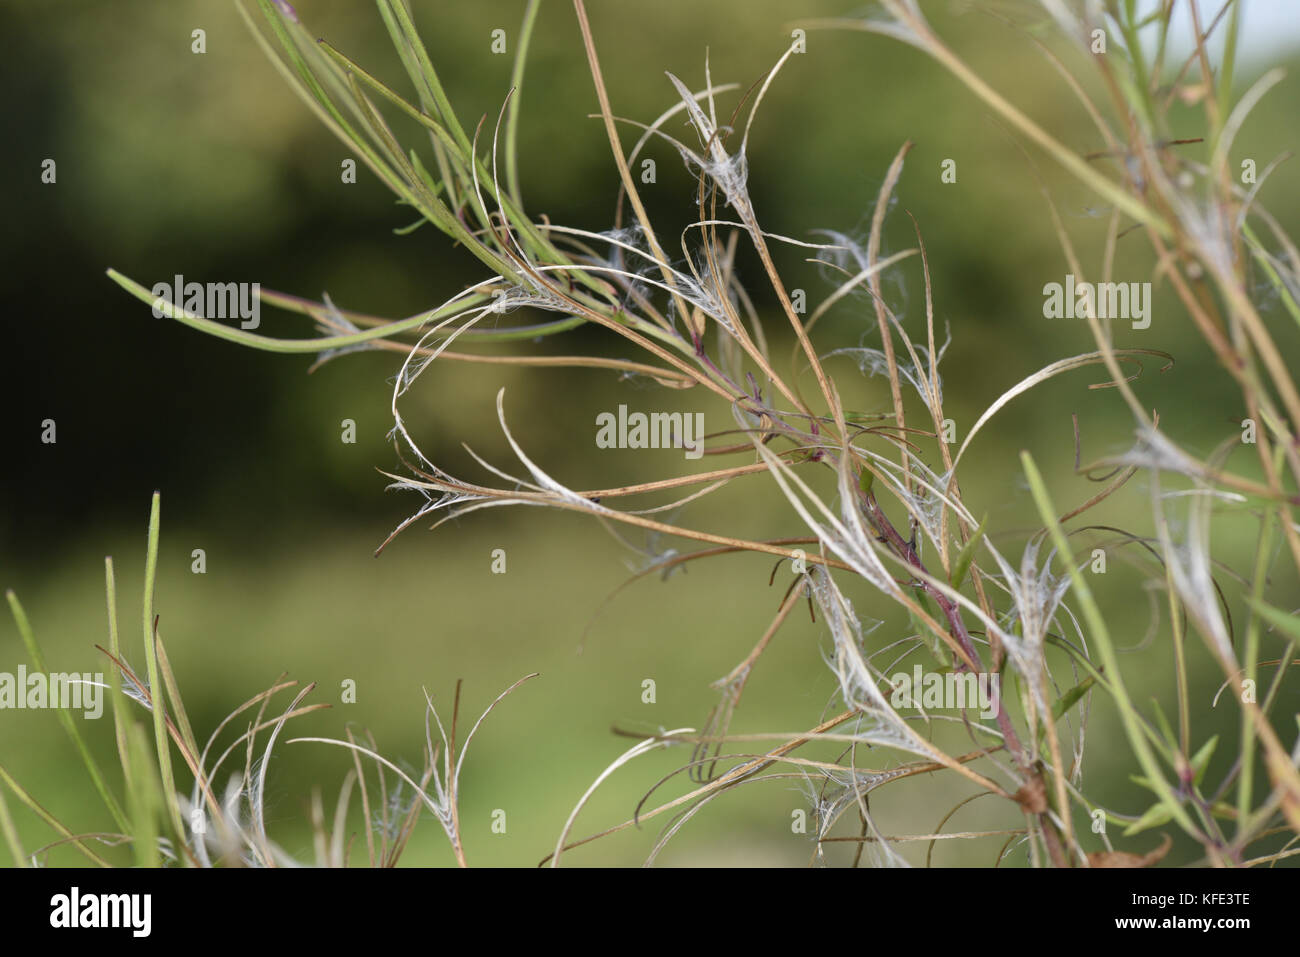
(209, 166)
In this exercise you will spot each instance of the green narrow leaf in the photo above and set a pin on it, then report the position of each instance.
(406, 37)
(1201, 760)
(1100, 634)
(967, 554)
(11, 834)
(156, 691)
(517, 84)
(310, 84)
(1227, 63)
(120, 716)
(1278, 618)
(1067, 700)
(1070, 698)
(145, 798)
(21, 793)
(1163, 721)
(1156, 815)
(1270, 270)
(65, 719)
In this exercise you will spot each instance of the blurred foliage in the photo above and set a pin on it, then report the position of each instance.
(207, 165)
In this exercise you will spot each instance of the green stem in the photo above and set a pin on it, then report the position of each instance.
(1101, 635)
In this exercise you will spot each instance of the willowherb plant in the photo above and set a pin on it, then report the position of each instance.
(898, 522)
(214, 827)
